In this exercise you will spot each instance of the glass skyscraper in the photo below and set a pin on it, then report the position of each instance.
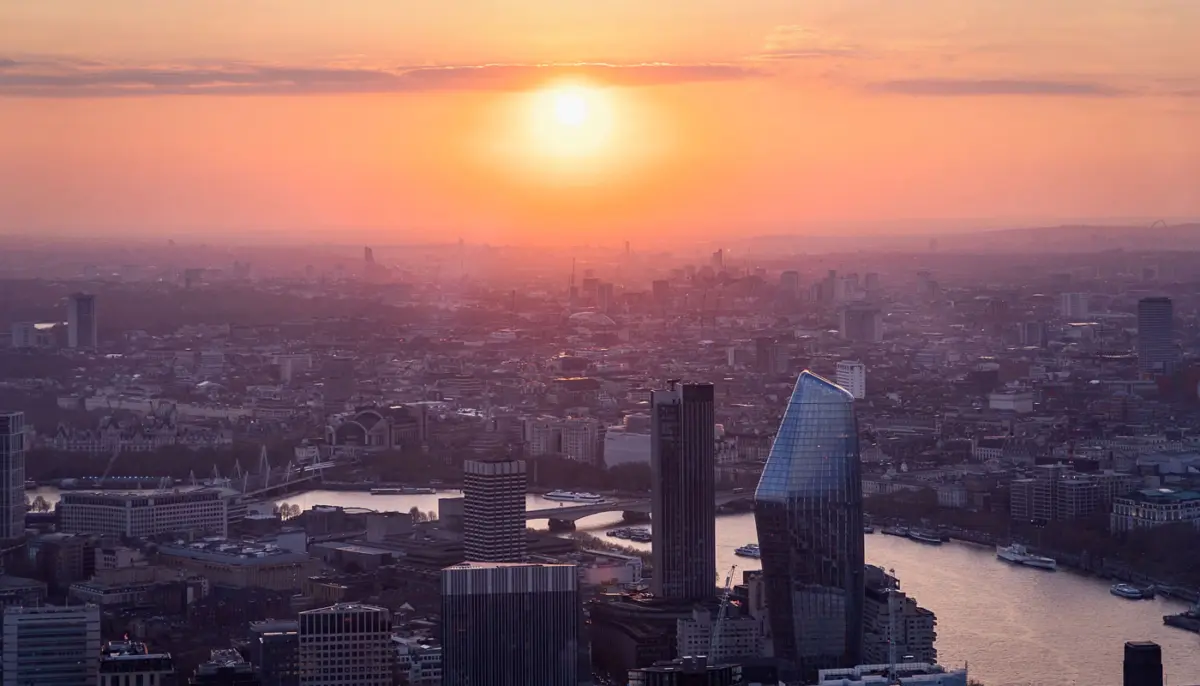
(808, 511)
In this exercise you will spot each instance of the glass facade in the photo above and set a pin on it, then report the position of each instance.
(808, 512)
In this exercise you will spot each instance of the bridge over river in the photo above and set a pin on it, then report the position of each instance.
(635, 506)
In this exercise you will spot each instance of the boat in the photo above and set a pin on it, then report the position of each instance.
(895, 531)
(1188, 619)
(868, 529)
(1019, 554)
(925, 537)
(30, 484)
(573, 497)
(640, 536)
(402, 490)
(1130, 591)
(749, 550)
(623, 534)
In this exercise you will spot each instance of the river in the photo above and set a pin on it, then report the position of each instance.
(1013, 626)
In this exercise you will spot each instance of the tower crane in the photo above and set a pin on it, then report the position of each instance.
(714, 641)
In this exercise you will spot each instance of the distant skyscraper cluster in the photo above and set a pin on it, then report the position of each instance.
(683, 460)
(808, 511)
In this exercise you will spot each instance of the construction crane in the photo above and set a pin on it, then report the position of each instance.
(714, 641)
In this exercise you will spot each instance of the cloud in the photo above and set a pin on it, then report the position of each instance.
(76, 79)
(6, 63)
(793, 42)
(944, 87)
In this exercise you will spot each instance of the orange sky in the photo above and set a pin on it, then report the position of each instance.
(397, 120)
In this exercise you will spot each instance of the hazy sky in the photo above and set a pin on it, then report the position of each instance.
(561, 120)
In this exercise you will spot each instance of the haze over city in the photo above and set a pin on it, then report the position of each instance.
(552, 122)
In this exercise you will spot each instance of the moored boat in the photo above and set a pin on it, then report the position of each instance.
(895, 531)
(925, 537)
(1130, 591)
(749, 550)
(574, 497)
(868, 529)
(1019, 554)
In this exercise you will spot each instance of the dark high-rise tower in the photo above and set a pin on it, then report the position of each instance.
(81, 321)
(682, 458)
(808, 511)
(1155, 347)
(510, 625)
(1143, 664)
(12, 475)
(494, 510)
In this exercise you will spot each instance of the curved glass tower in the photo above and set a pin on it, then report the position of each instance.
(808, 511)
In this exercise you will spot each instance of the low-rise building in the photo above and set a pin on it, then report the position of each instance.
(419, 660)
(141, 515)
(1153, 507)
(128, 662)
(241, 564)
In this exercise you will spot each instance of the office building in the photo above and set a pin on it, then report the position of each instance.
(330, 635)
(894, 626)
(510, 625)
(494, 510)
(739, 638)
(81, 321)
(140, 515)
(419, 660)
(1155, 343)
(682, 462)
(583, 440)
(1034, 334)
(766, 355)
(861, 323)
(852, 376)
(225, 667)
(1074, 306)
(808, 512)
(1143, 664)
(12, 475)
(1153, 507)
(687, 671)
(789, 284)
(51, 646)
(274, 651)
(123, 663)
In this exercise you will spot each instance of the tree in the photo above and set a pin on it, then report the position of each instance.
(40, 505)
(417, 515)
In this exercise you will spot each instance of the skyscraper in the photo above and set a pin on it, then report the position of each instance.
(808, 512)
(1143, 664)
(51, 646)
(510, 625)
(1155, 347)
(12, 475)
(861, 323)
(494, 510)
(81, 321)
(329, 635)
(682, 459)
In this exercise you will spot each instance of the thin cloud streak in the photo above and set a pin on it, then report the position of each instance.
(984, 87)
(67, 79)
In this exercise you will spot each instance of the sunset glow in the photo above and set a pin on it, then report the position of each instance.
(478, 119)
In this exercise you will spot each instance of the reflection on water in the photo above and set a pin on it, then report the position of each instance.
(1014, 626)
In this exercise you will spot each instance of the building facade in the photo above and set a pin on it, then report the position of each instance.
(683, 463)
(51, 646)
(81, 321)
(494, 510)
(275, 650)
(1153, 507)
(1155, 338)
(127, 662)
(12, 475)
(510, 625)
(808, 512)
(346, 645)
(852, 376)
(687, 671)
(140, 515)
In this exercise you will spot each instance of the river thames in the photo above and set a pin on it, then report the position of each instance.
(1013, 626)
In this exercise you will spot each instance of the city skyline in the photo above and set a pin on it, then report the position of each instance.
(575, 119)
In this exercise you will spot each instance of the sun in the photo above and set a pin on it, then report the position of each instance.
(571, 107)
(572, 120)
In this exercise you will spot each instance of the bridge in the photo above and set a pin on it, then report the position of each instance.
(571, 513)
(271, 481)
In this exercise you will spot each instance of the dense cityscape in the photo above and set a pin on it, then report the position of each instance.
(460, 464)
